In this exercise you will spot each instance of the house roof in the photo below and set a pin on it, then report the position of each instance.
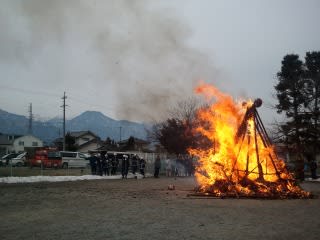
(58, 140)
(136, 140)
(104, 148)
(81, 133)
(95, 140)
(28, 135)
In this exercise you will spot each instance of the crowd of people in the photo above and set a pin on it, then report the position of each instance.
(107, 164)
(183, 165)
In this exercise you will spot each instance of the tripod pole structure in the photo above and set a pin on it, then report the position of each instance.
(258, 130)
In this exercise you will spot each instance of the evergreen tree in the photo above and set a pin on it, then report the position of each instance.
(292, 101)
(290, 94)
(70, 143)
(130, 144)
(312, 79)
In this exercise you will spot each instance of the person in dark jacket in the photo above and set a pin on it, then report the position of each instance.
(134, 163)
(124, 166)
(114, 164)
(312, 164)
(99, 167)
(93, 163)
(104, 164)
(142, 166)
(157, 166)
(313, 168)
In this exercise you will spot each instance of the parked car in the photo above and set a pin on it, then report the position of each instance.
(4, 161)
(46, 159)
(18, 161)
(74, 160)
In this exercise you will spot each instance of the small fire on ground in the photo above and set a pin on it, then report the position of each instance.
(241, 160)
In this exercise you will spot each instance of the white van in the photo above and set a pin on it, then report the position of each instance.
(19, 160)
(74, 160)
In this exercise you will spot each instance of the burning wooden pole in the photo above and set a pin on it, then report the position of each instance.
(258, 128)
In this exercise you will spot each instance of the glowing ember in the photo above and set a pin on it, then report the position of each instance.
(241, 160)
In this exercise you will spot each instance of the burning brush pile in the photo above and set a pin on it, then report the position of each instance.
(242, 161)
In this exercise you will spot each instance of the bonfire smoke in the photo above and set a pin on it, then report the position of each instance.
(135, 52)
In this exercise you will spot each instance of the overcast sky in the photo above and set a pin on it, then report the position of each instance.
(133, 59)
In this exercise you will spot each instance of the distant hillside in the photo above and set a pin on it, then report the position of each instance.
(96, 122)
(16, 124)
(105, 127)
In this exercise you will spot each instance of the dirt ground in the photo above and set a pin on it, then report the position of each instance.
(146, 209)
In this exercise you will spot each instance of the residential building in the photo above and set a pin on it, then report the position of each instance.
(82, 137)
(134, 144)
(18, 143)
(27, 141)
(84, 141)
(6, 142)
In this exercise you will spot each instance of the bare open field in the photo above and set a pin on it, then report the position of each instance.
(36, 171)
(146, 209)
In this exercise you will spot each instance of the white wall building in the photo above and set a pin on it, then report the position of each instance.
(83, 137)
(6, 143)
(26, 141)
(86, 141)
(90, 145)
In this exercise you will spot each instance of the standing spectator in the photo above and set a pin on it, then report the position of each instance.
(313, 168)
(114, 164)
(168, 168)
(185, 165)
(180, 165)
(134, 163)
(193, 167)
(312, 164)
(189, 166)
(157, 166)
(142, 164)
(124, 166)
(99, 167)
(104, 164)
(173, 167)
(93, 163)
(177, 166)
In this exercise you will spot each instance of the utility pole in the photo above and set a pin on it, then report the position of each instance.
(64, 120)
(120, 133)
(30, 119)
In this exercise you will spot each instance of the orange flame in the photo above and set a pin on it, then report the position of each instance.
(243, 165)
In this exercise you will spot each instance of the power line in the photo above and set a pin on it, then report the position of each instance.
(87, 103)
(28, 91)
(73, 97)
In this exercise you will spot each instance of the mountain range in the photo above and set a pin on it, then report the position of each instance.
(93, 121)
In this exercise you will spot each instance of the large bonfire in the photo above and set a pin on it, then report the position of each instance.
(241, 161)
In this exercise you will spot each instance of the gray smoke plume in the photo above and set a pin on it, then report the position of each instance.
(135, 52)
